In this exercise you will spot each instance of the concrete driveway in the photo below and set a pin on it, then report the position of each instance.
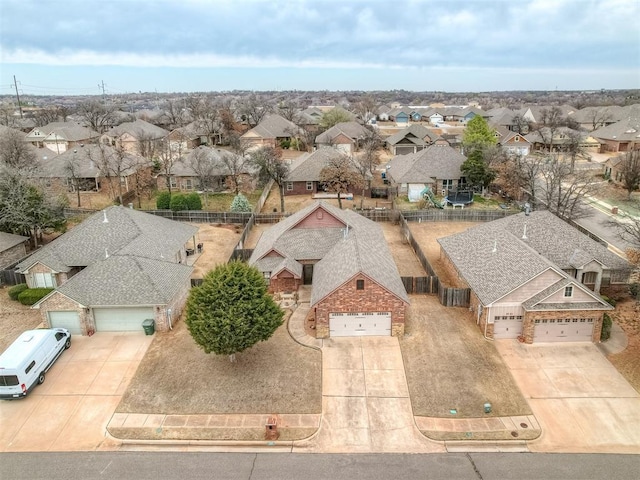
(365, 400)
(581, 401)
(71, 409)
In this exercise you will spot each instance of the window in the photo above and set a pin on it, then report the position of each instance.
(30, 367)
(309, 185)
(589, 277)
(359, 284)
(173, 182)
(267, 277)
(8, 380)
(43, 280)
(60, 336)
(188, 184)
(289, 186)
(568, 291)
(447, 183)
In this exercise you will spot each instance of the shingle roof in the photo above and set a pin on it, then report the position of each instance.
(72, 133)
(137, 129)
(352, 130)
(309, 167)
(535, 302)
(624, 130)
(86, 161)
(183, 167)
(127, 232)
(275, 126)
(124, 280)
(8, 240)
(436, 161)
(414, 132)
(362, 249)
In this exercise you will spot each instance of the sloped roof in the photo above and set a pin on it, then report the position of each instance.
(86, 162)
(9, 240)
(310, 165)
(417, 134)
(352, 130)
(125, 280)
(535, 302)
(342, 253)
(436, 161)
(126, 232)
(274, 126)
(138, 129)
(72, 133)
(183, 166)
(624, 130)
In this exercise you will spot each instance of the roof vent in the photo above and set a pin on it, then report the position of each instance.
(106, 253)
(495, 246)
(524, 233)
(105, 219)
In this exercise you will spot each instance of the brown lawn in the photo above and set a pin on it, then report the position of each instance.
(450, 365)
(177, 377)
(15, 318)
(627, 315)
(293, 203)
(218, 244)
(427, 235)
(404, 256)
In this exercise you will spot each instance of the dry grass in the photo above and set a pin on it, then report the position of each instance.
(15, 318)
(627, 315)
(450, 365)
(404, 256)
(218, 243)
(177, 377)
(427, 235)
(293, 203)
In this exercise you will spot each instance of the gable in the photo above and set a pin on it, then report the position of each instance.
(319, 218)
(341, 139)
(578, 296)
(532, 287)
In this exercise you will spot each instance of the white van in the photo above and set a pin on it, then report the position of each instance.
(24, 364)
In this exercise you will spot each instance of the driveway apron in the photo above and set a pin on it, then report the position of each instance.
(582, 403)
(365, 400)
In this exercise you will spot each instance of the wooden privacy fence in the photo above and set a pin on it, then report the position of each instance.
(455, 215)
(454, 297)
(421, 284)
(11, 277)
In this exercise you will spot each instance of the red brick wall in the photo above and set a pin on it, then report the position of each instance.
(373, 298)
(528, 324)
(278, 285)
(313, 220)
(300, 188)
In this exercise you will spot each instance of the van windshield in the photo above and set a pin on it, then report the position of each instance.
(8, 380)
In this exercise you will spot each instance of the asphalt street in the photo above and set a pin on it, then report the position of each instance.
(278, 466)
(598, 222)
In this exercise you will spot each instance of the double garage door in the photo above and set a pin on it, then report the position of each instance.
(121, 319)
(359, 324)
(563, 330)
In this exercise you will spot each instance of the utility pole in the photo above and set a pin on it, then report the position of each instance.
(15, 83)
(101, 86)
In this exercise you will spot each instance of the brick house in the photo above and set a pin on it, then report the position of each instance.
(356, 289)
(130, 135)
(535, 277)
(437, 166)
(12, 248)
(410, 140)
(271, 131)
(61, 136)
(344, 136)
(622, 136)
(114, 270)
(304, 176)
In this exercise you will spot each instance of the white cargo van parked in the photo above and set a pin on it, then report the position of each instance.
(24, 364)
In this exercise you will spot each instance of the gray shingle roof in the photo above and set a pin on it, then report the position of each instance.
(364, 249)
(87, 162)
(8, 240)
(137, 129)
(624, 130)
(414, 132)
(125, 280)
(275, 126)
(309, 168)
(127, 232)
(535, 302)
(436, 161)
(352, 130)
(183, 167)
(72, 132)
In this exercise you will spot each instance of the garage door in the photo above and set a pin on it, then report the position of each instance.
(359, 324)
(69, 320)
(563, 330)
(121, 319)
(507, 327)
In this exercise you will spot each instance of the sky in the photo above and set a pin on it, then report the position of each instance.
(69, 47)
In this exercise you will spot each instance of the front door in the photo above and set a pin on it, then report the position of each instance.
(307, 273)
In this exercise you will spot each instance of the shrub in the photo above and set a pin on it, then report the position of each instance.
(163, 201)
(17, 290)
(634, 290)
(240, 204)
(609, 300)
(178, 202)
(193, 201)
(606, 327)
(32, 295)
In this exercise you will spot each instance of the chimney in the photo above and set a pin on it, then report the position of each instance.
(105, 219)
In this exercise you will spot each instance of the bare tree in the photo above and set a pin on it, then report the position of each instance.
(289, 109)
(167, 157)
(141, 174)
(147, 144)
(207, 120)
(253, 109)
(629, 167)
(308, 134)
(520, 124)
(573, 146)
(339, 175)
(235, 166)
(562, 191)
(174, 112)
(366, 108)
(269, 162)
(46, 115)
(226, 112)
(16, 153)
(97, 116)
(550, 121)
(201, 162)
(599, 117)
(6, 115)
(370, 150)
(72, 170)
(239, 145)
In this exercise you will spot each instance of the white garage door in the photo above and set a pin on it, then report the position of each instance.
(69, 320)
(507, 326)
(121, 319)
(359, 324)
(563, 330)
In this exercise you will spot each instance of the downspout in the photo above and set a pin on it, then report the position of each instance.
(169, 318)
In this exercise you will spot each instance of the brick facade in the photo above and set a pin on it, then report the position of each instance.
(13, 254)
(284, 284)
(58, 302)
(347, 298)
(528, 324)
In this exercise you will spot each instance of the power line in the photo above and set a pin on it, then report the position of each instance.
(15, 83)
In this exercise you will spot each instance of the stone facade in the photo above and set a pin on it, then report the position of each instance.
(347, 298)
(528, 324)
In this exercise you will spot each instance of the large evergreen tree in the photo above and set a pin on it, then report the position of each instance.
(478, 135)
(477, 171)
(232, 310)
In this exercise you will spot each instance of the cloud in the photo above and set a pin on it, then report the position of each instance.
(542, 34)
